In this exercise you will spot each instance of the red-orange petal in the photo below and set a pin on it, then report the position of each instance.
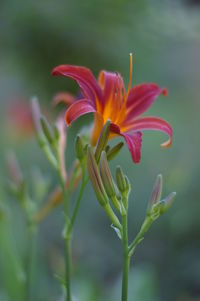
(152, 123)
(77, 109)
(141, 97)
(133, 141)
(84, 77)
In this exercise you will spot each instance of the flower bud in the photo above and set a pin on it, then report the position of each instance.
(46, 130)
(96, 178)
(56, 132)
(106, 176)
(156, 193)
(35, 108)
(114, 151)
(121, 181)
(14, 170)
(103, 140)
(79, 148)
(167, 202)
(128, 185)
(107, 148)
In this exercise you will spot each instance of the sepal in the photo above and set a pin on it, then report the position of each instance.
(117, 231)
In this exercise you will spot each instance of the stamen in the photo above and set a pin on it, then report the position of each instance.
(130, 76)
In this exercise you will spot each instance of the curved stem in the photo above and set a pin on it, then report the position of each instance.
(140, 236)
(126, 259)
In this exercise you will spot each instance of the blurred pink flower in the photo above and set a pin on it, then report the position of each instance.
(18, 113)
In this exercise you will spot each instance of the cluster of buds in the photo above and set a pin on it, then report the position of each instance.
(158, 206)
(113, 195)
(52, 140)
(106, 189)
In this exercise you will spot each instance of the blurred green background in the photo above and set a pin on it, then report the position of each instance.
(164, 36)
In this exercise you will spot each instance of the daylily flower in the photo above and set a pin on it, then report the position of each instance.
(107, 99)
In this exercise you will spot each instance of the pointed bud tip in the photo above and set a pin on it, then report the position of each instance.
(95, 177)
(156, 193)
(79, 148)
(167, 143)
(103, 140)
(120, 178)
(114, 151)
(106, 176)
(35, 110)
(167, 202)
(46, 129)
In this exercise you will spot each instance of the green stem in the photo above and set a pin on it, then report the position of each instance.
(31, 268)
(126, 259)
(140, 236)
(65, 193)
(68, 267)
(83, 185)
(112, 216)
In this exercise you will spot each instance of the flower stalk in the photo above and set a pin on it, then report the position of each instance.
(53, 143)
(106, 192)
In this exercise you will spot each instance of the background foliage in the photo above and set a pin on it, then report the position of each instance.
(165, 39)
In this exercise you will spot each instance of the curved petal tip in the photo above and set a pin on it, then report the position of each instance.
(54, 71)
(164, 92)
(167, 144)
(78, 109)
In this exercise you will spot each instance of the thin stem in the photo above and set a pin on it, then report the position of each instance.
(68, 267)
(126, 259)
(65, 193)
(112, 216)
(83, 185)
(32, 232)
(140, 236)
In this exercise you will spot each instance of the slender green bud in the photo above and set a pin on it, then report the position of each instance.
(128, 185)
(46, 130)
(96, 178)
(35, 109)
(121, 181)
(108, 181)
(79, 148)
(156, 193)
(103, 140)
(56, 132)
(114, 151)
(167, 202)
(106, 176)
(107, 148)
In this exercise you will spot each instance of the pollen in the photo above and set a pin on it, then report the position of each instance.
(130, 76)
